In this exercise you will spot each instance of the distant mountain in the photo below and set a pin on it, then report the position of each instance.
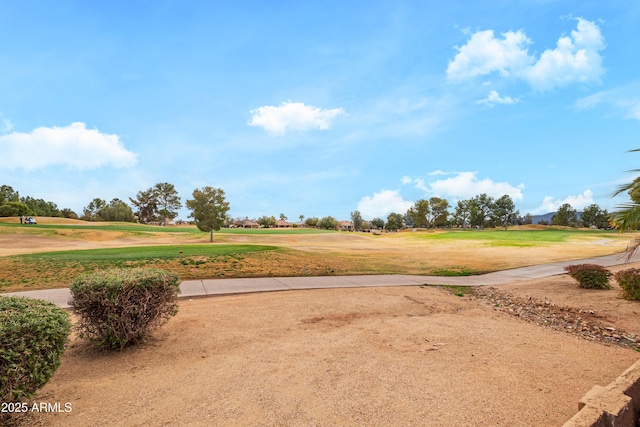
(535, 219)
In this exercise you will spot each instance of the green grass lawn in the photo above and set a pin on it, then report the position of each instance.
(147, 252)
(515, 237)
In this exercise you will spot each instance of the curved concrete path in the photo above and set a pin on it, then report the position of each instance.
(209, 287)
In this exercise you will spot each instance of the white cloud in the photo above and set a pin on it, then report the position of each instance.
(382, 204)
(406, 180)
(293, 116)
(73, 145)
(494, 98)
(575, 59)
(465, 185)
(549, 204)
(484, 54)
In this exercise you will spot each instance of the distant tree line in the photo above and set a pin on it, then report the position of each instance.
(12, 204)
(160, 204)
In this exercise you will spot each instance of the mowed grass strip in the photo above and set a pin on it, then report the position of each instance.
(148, 252)
(521, 238)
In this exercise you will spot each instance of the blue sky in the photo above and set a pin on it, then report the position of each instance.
(321, 108)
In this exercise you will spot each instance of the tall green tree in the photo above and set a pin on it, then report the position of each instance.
(116, 210)
(504, 210)
(439, 211)
(420, 213)
(593, 216)
(208, 208)
(7, 194)
(462, 213)
(328, 223)
(92, 211)
(395, 221)
(481, 210)
(566, 216)
(356, 219)
(168, 200)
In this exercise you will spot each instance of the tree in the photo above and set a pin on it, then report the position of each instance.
(528, 219)
(92, 211)
(377, 223)
(14, 209)
(301, 218)
(168, 200)
(311, 222)
(504, 210)
(68, 213)
(439, 211)
(462, 214)
(147, 204)
(356, 219)
(480, 210)
(267, 221)
(116, 210)
(283, 217)
(209, 209)
(328, 223)
(7, 194)
(593, 216)
(395, 221)
(566, 216)
(420, 213)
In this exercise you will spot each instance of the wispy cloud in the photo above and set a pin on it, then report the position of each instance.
(494, 98)
(624, 100)
(73, 145)
(294, 116)
(575, 59)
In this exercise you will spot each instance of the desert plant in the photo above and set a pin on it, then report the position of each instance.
(119, 307)
(590, 276)
(629, 281)
(33, 336)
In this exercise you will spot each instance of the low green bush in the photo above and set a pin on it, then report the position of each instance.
(629, 281)
(33, 337)
(119, 307)
(590, 276)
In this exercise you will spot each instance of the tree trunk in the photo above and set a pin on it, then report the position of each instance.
(211, 236)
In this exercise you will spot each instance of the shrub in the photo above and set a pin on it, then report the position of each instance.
(119, 307)
(629, 281)
(590, 276)
(33, 336)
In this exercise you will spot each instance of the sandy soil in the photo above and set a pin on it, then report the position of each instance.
(384, 356)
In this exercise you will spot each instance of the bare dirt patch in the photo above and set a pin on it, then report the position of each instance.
(383, 356)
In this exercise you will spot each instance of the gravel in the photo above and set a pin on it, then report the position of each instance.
(585, 324)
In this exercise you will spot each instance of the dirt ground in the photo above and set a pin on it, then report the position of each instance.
(381, 356)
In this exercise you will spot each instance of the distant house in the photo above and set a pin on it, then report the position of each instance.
(281, 223)
(247, 223)
(345, 226)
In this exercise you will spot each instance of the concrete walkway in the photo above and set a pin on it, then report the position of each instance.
(210, 287)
